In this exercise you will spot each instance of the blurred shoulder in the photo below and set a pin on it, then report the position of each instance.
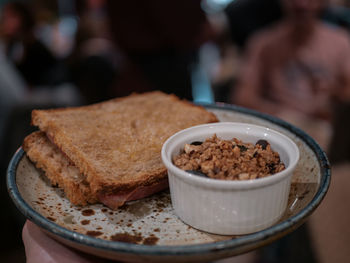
(340, 37)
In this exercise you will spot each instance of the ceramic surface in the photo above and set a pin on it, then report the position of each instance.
(148, 230)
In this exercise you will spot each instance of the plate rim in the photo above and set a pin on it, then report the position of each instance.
(183, 250)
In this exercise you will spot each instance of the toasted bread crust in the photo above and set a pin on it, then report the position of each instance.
(58, 168)
(117, 143)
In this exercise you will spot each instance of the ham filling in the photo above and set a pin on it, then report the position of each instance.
(114, 201)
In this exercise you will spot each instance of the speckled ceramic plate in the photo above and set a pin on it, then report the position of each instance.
(148, 230)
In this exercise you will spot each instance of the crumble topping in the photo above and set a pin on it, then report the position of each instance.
(229, 159)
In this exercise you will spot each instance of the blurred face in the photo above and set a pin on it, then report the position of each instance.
(10, 22)
(303, 9)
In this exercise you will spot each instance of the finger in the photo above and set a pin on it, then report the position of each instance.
(41, 248)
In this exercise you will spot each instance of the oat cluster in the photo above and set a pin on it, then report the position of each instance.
(229, 159)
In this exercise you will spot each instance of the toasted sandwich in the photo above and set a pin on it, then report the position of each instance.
(109, 152)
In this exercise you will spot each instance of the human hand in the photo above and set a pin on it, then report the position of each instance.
(39, 247)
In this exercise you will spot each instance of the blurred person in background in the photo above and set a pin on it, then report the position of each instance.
(31, 57)
(12, 85)
(240, 19)
(123, 47)
(160, 42)
(297, 69)
(94, 62)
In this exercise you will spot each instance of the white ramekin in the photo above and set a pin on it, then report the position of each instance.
(230, 207)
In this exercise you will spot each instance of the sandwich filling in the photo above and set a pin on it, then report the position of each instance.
(114, 201)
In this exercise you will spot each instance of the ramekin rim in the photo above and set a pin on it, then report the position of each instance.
(231, 184)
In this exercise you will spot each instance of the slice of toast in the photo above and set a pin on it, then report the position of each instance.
(58, 168)
(116, 144)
